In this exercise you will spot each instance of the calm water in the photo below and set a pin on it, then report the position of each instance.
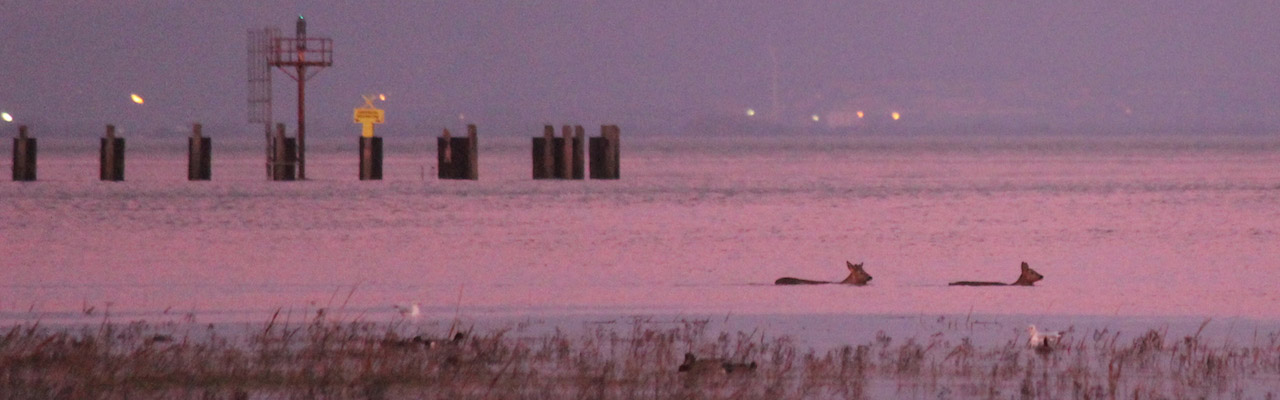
(1119, 227)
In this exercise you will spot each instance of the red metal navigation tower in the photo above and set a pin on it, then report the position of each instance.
(294, 56)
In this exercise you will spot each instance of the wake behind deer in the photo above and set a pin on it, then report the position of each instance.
(1028, 278)
(857, 277)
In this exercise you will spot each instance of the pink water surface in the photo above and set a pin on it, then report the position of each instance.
(1119, 227)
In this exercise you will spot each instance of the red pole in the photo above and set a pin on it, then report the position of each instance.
(302, 135)
(301, 44)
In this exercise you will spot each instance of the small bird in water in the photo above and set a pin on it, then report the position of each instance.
(1042, 340)
(408, 310)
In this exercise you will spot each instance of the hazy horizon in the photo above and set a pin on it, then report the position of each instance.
(1092, 67)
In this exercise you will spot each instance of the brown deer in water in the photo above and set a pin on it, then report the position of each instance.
(857, 277)
(1029, 277)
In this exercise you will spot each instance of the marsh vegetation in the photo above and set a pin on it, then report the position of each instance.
(322, 358)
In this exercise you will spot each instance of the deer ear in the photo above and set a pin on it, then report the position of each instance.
(851, 266)
(1025, 266)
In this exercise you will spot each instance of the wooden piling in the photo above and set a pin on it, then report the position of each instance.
(111, 156)
(370, 158)
(284, 167)
(597, 146)
(458, 158)
(473, 153)
(605, 157)
(444, 155)
(613, 157)
(199, 156)
(543, 160)
(559, 157)
(564, 153)
(24, 156)
(579, 161)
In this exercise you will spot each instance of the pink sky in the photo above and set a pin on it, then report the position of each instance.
(948, 66)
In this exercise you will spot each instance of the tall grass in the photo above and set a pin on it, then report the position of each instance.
(329, 359)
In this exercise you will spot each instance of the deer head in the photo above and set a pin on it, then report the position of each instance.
(857, 276)
(1028, 277)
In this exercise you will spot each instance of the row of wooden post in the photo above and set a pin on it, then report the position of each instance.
(562, 157)
(111, 156)
(558, 157)
(457, 157)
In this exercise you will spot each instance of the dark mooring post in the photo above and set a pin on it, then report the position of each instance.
(559, 157)
(579, 161)
(473, 154)
(444, 155)
(24, 156)
(111, 156)
(564, 153)
(458, 158)
(613, 155)
(605, 157)
(543, 160)
(199, 156)
(370, 158)
(283, 167)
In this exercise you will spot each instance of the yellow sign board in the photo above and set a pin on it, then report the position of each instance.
(369, 115)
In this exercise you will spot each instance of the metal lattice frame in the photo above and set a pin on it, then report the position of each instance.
(260, 49)
(289, 53)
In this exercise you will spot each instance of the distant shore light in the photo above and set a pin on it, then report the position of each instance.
(895, 115)
(136, 98)
(6, 117)
(860, 114)
(815, 117)
(751, 112)
(382, 97)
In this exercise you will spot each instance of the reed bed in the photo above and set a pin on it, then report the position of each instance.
(392, 360)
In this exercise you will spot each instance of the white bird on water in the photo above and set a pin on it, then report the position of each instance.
(1044, 339)
(408, 310)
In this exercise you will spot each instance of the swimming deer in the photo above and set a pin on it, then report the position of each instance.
(1028, 278)
(713, 365)
(857, 277)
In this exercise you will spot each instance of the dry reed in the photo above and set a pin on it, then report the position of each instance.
(328, 359)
